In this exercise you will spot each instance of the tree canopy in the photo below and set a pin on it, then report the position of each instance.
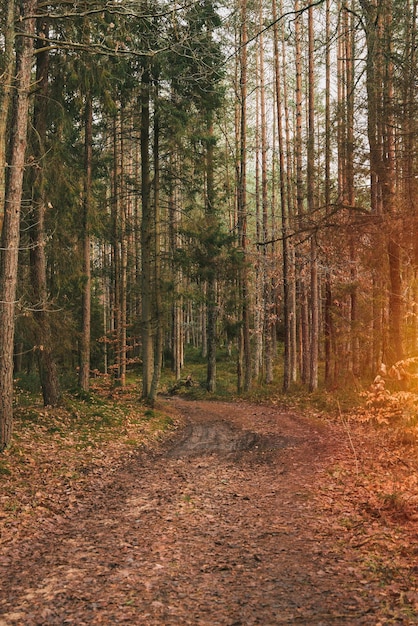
(210, 175)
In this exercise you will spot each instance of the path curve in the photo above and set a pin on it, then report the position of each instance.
(221, 527)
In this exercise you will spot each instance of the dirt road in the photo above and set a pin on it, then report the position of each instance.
(226, 524)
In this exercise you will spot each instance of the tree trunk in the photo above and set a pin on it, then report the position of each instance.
(350, 190)
(211, 292)
(10, 234)
(287, 303)
(84, 372)
(6, 71)
(42, 317)
(146, 239)
(175, 244)
(303, 317)
(379, 67)
(123, 246)
(290, 205)
(268, 324)
(395, 301)
(116, 318)
(156, 292)
(328, 327)
(314, 290)
(244, 358)
(259, 269)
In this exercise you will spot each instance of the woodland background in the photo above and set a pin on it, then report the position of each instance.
(223, 178)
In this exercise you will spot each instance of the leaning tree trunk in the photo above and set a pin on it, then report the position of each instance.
(10, 234)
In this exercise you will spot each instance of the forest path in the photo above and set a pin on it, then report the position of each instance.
(225, 525)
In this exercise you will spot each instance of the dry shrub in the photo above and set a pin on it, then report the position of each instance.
(390, 406)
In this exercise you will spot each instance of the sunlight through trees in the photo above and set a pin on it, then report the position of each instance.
(238, 177)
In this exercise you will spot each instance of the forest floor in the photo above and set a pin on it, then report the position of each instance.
(241, 514)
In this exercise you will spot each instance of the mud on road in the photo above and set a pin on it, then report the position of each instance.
(224, 525)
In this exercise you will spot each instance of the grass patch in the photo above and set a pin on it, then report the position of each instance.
(196, 368)
(161, 422)
(4, 469)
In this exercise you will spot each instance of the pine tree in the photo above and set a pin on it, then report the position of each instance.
(10, 234)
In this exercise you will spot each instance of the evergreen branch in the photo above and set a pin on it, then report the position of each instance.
(111, 9)
(98, 48)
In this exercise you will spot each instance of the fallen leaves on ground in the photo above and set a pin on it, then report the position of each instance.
(206, 513)
(56, 452)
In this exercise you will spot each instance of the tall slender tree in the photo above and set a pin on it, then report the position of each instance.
(25, 36)
(314, 284)
(157, 296)
(7, 66)
(244, 357)
(85, 348)
(377, 20)
(288, 311)
(37, 236)
(147, 225)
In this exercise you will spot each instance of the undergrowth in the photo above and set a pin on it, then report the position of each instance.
(107, 411)
(392, 401)
(62, 443)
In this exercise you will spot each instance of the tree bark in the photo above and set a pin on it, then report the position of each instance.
(175, 244)
(6, 71)
(284, 203)
(156, 292)
(314, 289)
(116, 265)
(328, 327)
(291, 212)
(244, 357)
(43, 337)
(211, 292)
(84, 372)
(302, 287)
(11, 234)
(259, 269)
(146, 239)
(268, 307)
(123, 244)
(379, 67)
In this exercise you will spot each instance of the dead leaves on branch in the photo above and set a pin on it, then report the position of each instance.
(392, 398)
(388, 426)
